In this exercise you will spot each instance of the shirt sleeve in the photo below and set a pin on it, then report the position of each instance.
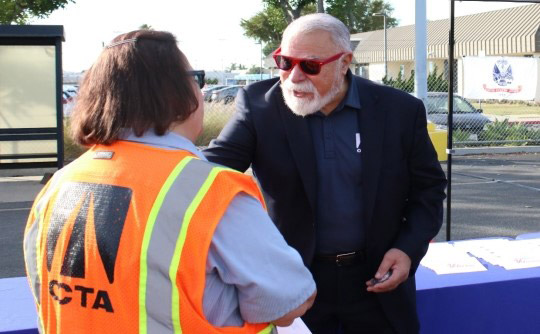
(248, 251)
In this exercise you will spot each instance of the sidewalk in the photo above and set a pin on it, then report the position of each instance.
(19, 189)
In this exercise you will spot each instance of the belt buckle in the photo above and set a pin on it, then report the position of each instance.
(339, 256)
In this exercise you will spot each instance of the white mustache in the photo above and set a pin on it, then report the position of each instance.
(304, 87)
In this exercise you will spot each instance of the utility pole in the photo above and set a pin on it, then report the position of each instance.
(385, 43)
(261, 55)
(420, 73)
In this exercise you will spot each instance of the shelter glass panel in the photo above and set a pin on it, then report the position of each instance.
(27, 96)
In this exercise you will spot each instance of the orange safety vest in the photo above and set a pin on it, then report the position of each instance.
(117, 242)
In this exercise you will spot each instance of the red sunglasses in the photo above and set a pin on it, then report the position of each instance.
(308, 66)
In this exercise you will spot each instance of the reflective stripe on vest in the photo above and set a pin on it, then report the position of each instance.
(32, 238)
(180, 196)
(163, 254)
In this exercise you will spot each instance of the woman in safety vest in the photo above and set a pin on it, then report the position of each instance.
(141, 234)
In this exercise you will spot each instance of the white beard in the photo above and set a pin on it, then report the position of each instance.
(307, 106)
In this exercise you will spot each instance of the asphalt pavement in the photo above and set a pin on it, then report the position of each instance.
(492, 196)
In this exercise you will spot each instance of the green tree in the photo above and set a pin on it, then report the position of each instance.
(145, 27)
(254, 70)
(268, 25)
(212, 81)
(20, 11)
(436, 82)
(406, 85)
(291, 9)
(358, 14)
(235, 66)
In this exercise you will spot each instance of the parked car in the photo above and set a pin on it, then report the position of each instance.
(209, 89)
(465, 116)
(68, 101)
(225, 95)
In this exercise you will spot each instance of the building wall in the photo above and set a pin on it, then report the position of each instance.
(376, 72)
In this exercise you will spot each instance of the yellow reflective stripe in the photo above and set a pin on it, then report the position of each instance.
(175, 262)
(267, 330)
(40, 214)
(39, 265)
(146, 241)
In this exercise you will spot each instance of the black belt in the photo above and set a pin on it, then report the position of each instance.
(343, 259)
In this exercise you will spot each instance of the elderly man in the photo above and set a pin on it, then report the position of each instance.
(349, 174)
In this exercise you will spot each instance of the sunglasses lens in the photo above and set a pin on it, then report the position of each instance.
(310, 67)
(283, 63)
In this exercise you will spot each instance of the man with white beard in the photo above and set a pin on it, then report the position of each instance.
(349, 175)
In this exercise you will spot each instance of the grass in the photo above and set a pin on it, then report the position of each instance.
(216, 116)
(508, 109)
(72, 150)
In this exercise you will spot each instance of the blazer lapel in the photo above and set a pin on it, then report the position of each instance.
(301, 145)
(372, 127)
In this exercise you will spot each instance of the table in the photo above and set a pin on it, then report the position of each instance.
(17, 309)
(493, 301)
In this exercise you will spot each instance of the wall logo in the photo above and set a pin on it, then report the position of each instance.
(502, 73)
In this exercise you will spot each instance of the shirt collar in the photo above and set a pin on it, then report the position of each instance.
(169, 140)
(352, 98)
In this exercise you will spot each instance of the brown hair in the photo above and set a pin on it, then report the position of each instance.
(140, 81)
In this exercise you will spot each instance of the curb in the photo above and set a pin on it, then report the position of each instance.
(497, 150)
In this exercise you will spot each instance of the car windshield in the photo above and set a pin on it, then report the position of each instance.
(439, 104)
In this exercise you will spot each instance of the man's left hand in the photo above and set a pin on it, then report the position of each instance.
(400, 264)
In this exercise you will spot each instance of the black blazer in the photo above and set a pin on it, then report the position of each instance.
(403, 183)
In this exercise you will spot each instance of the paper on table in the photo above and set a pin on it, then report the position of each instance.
(445, 259)
(521, 254)
(510, 254)
(297, 327)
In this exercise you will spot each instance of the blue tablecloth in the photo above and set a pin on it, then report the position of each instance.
(17, 308)
(493, 301)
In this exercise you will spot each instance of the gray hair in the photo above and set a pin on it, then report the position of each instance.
(317, 22)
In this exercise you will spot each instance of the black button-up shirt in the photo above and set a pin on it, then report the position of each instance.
(339, 225)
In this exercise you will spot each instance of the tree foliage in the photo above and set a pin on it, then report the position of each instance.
(146, 27)
(437, 82)
(20, 11)
(235, 66)
(358, 14)
(291, 9)
(268, 25)
(211, 81)
(254, 70)
(406, 85)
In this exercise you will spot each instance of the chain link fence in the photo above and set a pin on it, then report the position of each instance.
(476, 122)
(216, 115)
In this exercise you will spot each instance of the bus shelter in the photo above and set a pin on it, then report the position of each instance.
(31, 117)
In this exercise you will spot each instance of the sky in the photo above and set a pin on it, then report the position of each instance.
(208, 31)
